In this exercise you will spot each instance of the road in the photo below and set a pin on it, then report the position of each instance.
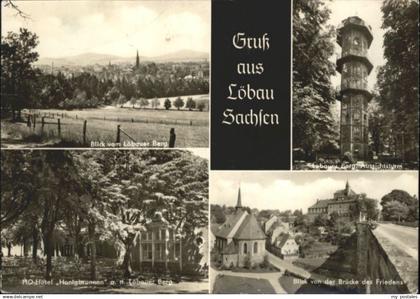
(404, 237)
(284, 265)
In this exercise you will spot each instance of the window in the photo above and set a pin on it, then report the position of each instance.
(356, 41)
(255, 247)
(245, 248)
(147, 251)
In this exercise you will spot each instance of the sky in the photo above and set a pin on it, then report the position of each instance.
(67, 28)
(298, 190)
(370, 12)
(201, 152)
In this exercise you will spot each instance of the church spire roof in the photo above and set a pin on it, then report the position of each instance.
(239, 202)
(347, 187)
(137, 60)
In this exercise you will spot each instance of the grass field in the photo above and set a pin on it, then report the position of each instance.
(18, 269)
(241, 285)
(146, 127)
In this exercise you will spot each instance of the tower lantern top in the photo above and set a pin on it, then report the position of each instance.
(354, 23)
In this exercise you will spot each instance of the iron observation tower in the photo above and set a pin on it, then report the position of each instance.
(354, 37)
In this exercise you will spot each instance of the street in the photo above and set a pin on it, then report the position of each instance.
(404, 237)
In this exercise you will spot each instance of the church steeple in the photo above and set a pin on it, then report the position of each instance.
(239, 202)
(347, 187)
(137, 60)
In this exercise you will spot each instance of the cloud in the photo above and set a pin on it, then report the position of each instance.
(68, 28)
(290, 191)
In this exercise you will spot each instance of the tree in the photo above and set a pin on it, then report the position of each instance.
(155, 103)
(313, 96)
(401, 196)
(11, 4)
(122, 100)
(17, 75)
(366, 206)
(397, 80)
(16, 195)
(141, 185)
(218, 214)
(167, 104)
(144, 102)
(178, 103)
(133, 101)
(321, 220)
(396, 210)
(201, 106)
(190, 104)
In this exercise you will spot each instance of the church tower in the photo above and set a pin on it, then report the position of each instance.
(137, 60)
(239, 202)
(354, 37)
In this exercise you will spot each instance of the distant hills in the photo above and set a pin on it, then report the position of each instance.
(103, 59)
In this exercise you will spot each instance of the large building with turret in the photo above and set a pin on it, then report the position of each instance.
(354, 37)
(343, 203)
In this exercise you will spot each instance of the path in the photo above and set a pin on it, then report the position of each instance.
(284, 265)
(403, 237)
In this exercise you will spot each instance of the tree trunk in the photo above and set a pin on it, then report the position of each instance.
(49, 249)
(9, 249)
(34, 244)
(127, 259)
(91, 230)
(25, 247)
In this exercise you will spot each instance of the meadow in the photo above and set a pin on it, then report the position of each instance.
(144, 127)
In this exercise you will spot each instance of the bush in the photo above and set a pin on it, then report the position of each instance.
(348, 157)
(247, 262)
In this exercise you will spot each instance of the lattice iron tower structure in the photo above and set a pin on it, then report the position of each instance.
(354, 37)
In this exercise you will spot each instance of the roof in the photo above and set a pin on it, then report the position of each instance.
(344, 192)
(250, 230)
(323, 203)
(239, 202)
(226, 228)
(284, 239)
(354, 22)
(214, 228)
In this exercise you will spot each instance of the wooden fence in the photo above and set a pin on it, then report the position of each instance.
(62, 115)
(31, 122)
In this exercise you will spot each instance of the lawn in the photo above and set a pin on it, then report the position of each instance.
(19, 273)
(293, 286)
(146, 127)
(226, 284)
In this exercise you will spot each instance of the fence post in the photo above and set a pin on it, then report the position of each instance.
(172, 138)
(34, 120)
(84, 132)
(190, 122)
(42, 123)
(118, 133)
(28, 123)
(59, 127)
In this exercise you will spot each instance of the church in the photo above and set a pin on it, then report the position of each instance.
(343, 202)
(240, 241)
